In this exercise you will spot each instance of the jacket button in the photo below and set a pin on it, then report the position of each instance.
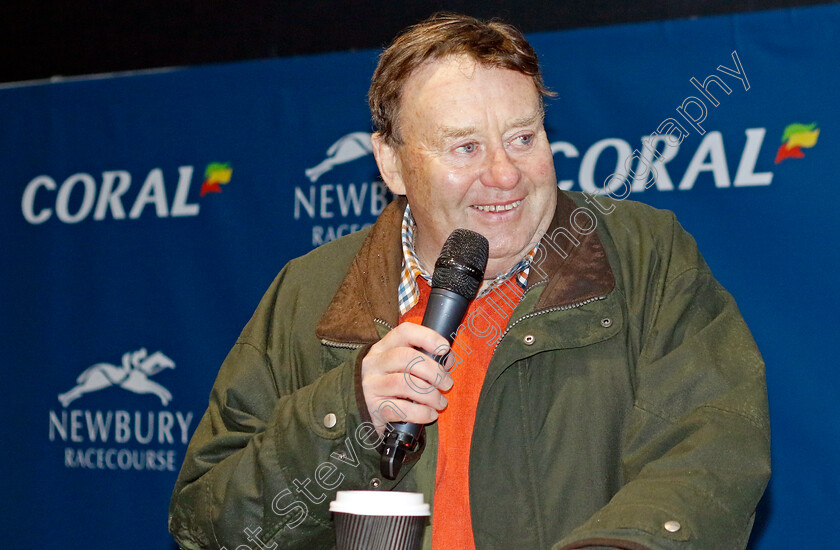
(375, 482)
(529, 340)
(330, 420)
(672, 526)
(606, 322)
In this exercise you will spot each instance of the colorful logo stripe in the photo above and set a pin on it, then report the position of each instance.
(796, 137)
(215, 174)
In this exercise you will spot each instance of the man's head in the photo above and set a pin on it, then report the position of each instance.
(459, 112)
(491, 44)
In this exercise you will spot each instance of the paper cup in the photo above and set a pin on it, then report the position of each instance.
(379, 520)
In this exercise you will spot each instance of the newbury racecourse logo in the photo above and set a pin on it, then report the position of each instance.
(133, 376)
(348, 148)
(341, 206)
(119, 439)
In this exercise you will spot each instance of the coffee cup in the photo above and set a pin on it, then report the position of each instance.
(379, 520)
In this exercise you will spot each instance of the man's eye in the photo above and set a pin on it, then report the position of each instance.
(526, 139)
(467, 148)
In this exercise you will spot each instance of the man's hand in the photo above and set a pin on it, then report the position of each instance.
(400, 383)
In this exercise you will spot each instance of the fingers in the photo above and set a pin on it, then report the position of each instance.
(410, 398)
(400, 410)
(402, 384)
(399, 386)
(409, 364)
(412, 335)
(396, 353)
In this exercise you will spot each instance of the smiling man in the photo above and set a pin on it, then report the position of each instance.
(619, 402)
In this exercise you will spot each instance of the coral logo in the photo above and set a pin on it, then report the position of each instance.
(795, 138)
(215, 174)
(83, 196)
(133, 375)
(349, 147)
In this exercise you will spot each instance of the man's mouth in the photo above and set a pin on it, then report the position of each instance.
(497, 207)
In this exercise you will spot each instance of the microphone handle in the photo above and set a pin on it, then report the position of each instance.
(444, 314)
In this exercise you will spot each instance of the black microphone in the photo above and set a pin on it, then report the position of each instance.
(459, 272)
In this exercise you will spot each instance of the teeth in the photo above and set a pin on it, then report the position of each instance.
(498, 208)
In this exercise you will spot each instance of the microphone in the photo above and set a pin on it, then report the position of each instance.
(459, 272)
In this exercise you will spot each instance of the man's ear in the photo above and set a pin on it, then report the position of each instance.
(389, 164)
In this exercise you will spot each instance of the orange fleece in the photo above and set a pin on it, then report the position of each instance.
(483, 324)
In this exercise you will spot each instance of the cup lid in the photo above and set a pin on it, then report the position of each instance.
(380, 503)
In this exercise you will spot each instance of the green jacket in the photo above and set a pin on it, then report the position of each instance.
(625, 404)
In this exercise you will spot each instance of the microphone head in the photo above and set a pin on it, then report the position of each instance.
(460, 267)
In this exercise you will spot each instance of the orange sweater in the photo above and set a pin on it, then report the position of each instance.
(483, 324)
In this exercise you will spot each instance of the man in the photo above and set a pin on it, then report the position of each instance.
(606, 392)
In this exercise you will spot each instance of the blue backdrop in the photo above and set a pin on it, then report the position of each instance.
(144, 215)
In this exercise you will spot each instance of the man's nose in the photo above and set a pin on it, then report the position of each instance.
(500, 170)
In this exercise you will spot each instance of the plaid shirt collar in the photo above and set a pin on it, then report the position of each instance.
(409, 292)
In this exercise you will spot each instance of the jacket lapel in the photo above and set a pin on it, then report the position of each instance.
(369, 291)
(572, 265)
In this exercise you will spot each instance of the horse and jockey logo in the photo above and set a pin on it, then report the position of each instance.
(133, 375)
(352, 146)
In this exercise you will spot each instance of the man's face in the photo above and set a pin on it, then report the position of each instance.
(474, 155)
